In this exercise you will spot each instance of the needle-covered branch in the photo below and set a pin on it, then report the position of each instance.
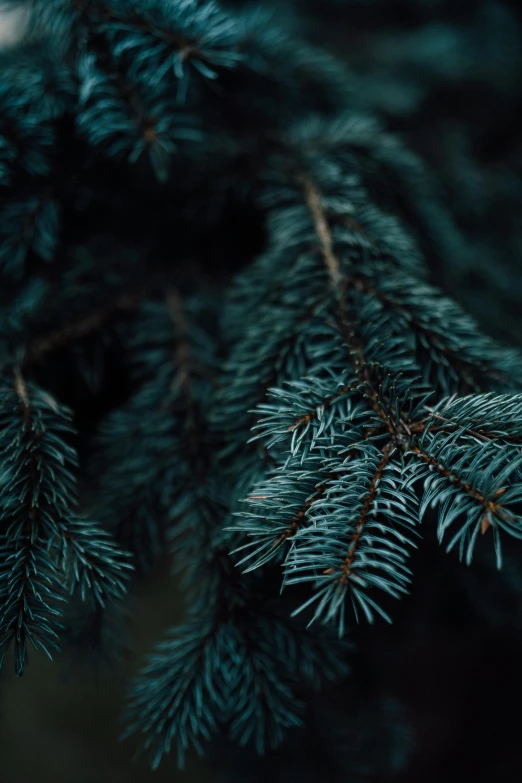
(351, 423)
(45, 551)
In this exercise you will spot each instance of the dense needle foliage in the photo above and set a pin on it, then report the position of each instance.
(220, 338)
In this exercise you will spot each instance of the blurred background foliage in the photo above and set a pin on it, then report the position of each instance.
(446, 76)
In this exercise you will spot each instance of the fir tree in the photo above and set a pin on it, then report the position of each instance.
(220, 338)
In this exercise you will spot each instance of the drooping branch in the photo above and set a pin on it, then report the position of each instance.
(31, 586)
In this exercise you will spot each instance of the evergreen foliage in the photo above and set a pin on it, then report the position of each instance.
(46, 550)
(220, 338)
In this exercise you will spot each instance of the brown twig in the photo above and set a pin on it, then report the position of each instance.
(313, 200)
(363, 517)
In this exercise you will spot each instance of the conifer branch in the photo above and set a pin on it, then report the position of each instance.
(32, 587)
(186, 47)
(323, 404)
(299, 517)
(155, 480)
(363, 517)
(490, 506)
(339, 282)
(488, 417)
(362, 369)
(45, 550)
(468, 368)
(388, 380)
